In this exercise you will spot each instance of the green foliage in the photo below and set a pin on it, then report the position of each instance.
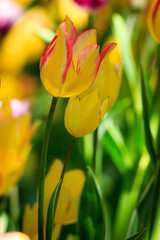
(91, 220)
(138, 236)
(51, 212)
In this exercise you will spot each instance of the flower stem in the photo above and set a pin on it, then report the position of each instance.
(63, 172)
(95, 150)
(43, 170)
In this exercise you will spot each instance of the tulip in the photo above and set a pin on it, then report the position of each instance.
(84, 112)
(91, 4)
(14, 236)
(67, 208)
(154, 19)
(14, 150)
(68, 65)
(22, 45)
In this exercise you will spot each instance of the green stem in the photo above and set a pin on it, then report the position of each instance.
(63, 172)
(43, 170)
(95, 150)
(158, 89)
(155, 210)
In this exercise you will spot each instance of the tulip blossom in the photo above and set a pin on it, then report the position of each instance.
(68, 203)
(14, 149)
(154, 19)
(85, 111)
(14, 236)
(91, 4)
(68, 65)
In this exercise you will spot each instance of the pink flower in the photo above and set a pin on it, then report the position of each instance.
(91, 4)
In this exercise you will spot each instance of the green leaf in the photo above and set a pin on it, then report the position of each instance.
(138, 236)
(91, 220)
(154, 229)
(147, 131)
(51, 212)
(46, 35)
(122, 33)
(113, 150)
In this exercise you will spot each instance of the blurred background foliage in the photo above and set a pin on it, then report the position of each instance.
(125, 170)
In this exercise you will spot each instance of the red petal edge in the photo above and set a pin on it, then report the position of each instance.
(47, 52)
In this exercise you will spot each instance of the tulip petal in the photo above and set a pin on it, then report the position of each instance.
(30, 216)
(77, 81)
(71, 29)
(106, 50)
(84, 40)
(52, 178)
(71, 177)
(108, 82)
(80, 122)
(54, 70)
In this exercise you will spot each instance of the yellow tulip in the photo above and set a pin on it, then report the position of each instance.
(67, 208)
(15, 148)
(154, 19)
(68, 65)
(22, 44)
(84, 112)
(14, 236)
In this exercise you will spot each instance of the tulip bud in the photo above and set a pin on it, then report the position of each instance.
(84, 112)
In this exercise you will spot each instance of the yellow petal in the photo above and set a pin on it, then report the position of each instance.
(56, 232)
(30, 220)
(71, 177)
(62, 206)
(108, 81)
(86, 39)
(11, 171)
(55, 67)
(52, 178)
(80, 79)
(82, 116)
(71, 29)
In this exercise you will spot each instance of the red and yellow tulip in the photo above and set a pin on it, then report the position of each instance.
(84, 112)
(68, 65)
(68, 203)
(154, 19)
